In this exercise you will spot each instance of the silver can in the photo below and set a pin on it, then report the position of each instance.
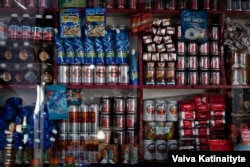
(87, 74)
(63, 126)
(172, 145)
(93, 117)
(181, 77)
(204, 77)
(214, 32)
(63, 76)
(62, 145)
(112, 74)
(120, 121)
(75, 74)
(83, 119)
(192, 78)
(192, 48)
(192, 62)
(181, 62)
(181, 48)
(104, 121)
(149, 150)
(148, 110)
(100, 71)
(123, 74)
(119, 105)
(73, 143)
(215, 62)
(73, 119)
(131, 121)
(131, 104)
(160, 110)
(214, 48)
(161, 150)
(215, 77)
(204, 62)
(172, 111)
(204, 48)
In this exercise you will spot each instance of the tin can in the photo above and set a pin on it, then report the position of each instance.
(31, 3)
(112, 74)
(171, 4)
(237, 5)
(104, 121)
(62, 145)
(172, 111)
(192, 48)
(149, 76)
(131, 121)
(123, 77)
(107, 138)
(131, 104)
(130, 136)
(120, 4)
(84, 119)
(105, 105)
(192, 62)
(87, 74)
(96, 3)
(93, 117)
(193, 4)
(100, 74)
(243, 59)
(204, 77)
(204, 48)
(181, 48)
(149, 150)
(181, 77)
(119, 105)
(119, 137)
(75, 74)
(119, 121)
(215, 62)
(215, 77)
(172, 145)
(229, 5)
(160, 110)
(82, 150)
(235, 76)
(206, 4)
(182, 4)
(235, 59)
(214, 5)
(63, 126)
(148, 110)
(187, 133)
(161, 150)
(214, 32)
(73, 143)
(178, 31)
(110, 4)
(73, 119)
(181, 63)
(63, 74)
(148, 4)
(132, 4)
(204, 63)
(192, 78)
(214, 48)
(160, 4)
(8, 3)
(160, 76)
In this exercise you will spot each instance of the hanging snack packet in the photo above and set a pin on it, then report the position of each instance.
(95, 22)
(70, 23)
(193, 25)
(90, 51)
(60, 52)
(69, 50)
(122, 44)
(79, 51)
(57, 102)
(109, 44)
(99, 59)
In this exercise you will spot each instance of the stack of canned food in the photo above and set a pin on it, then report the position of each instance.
(113, 4)
(159, 120)
(238, 5)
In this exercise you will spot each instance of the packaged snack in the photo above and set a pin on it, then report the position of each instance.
(69, 50)
(79, 51)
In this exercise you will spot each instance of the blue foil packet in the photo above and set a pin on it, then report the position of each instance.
(60, 51)
(69, 50)
(99, 59)
(122, 45)
(57, 103)
(90, 51)
(109, 45)
(79, 51)
(193, 25)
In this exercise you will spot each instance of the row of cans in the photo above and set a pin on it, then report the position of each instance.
(160, 110)
(93, 74)
(238, 5)
(28, 3)
(112, 4)
(158, 149)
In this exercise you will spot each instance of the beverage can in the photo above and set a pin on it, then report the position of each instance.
(172, 145)
(160, 110)
(192, 62)
(214, 32)
(73, 143)
(107, 138)
(181, 48)
(123, 74)
(148, 110)
(112, 74)
(149, 150)
(216, 77)
(148, 4)
(105, 105)
(206, 4)
(93, 117)
(84, 119)
(160, 4)
(193, 4)
(31, 3)
(63, 126)
(8, 3)
(132, 4)
(73, 119)
(131, 104)
(75, 74)
(62, 145)
(161, 150)
(149, 130)
(100, 71)
(181, 63)
(182, 4)
(204, 48)
(214, 48)
(87, 74)
(63, 74)
(215, 5)
(130, 136)
(119, 137)
(204, 62)
(110, 4)
(192, 78)
(215, 62)
(120, 121)
(131, 121)
(204, 77)
(172, 111)
(119, 105)
(171, 4)
(104, 121)
(160, 75)
(181, 77)
(192, 48)
(120, 4)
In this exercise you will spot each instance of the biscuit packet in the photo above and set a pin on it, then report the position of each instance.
(70, 23)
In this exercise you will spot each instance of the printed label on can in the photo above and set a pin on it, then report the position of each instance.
(161, 150)
(63, 74)
(172, 111)
(131, 104)
(160, 110)
(100, 71)
(148, 110)
(75, 74)
(149, 149)
(131, 121)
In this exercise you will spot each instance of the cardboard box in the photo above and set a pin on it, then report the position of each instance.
(71, 3)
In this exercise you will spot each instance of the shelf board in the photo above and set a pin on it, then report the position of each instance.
(18, 86)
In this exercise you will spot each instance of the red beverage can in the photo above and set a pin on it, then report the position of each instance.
(105, 121)
(193, 77)
(119, 137)
(204, 63)
(181, 48)
(181, 78)
(107, 138)
(171, 5)
(100, 74)
(214, 5)
(105, 105)
(120, 4)
(87, 74)
(75, 74)
(215, 77)
(204, 48)
(214, 32)
(214, 48)
(119, 103)
(131, 121)
(132, 4)
(110, 4)
(130, 136)
(182, 4)
(160, 4)
(215, 62)
(112, 74)
(181, 62)
(178, 31)
(206, 4)
(193, 4)
(84, 119)
(96, 3)
(192, 48)
(131, 104)
(120, 121)
(204, 77)
(8, 3)
(31, 3)
(192, 62)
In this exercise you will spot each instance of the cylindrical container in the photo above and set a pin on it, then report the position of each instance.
(161, 150)
(63, 126)
(181, 77)
(206, 4)
(105, 105)
(104, 121)
(120, 4)
(204, 48)
(215, 77)
(112, 74)
(160, 110)
(130, 136)
(172, 145)
(63, 76)
(119, 121)
(131, 104)
(82, 151)
(182, 4)
(110, 4)
(236, 76)
(73, 119)
(131, 121)
(193, 4)
(192, 62)
(100, 71)
(204, 63)
(237, 5)
(148, 110)
(73, 144)
(148, 4)
(123, 77)
(181, 48)
(8, 3)
(132, 4)
(215, 62)
(119, 137)
(214, 5)
(172, 111)
(214, 32)
(243, 59)
(44, 3)
(31, 3)
(214, 48)
(204, 77)
(192, 48)
(93, 116)
(107, 138)
(87, 74)
(62, 145)
(75, 74)
(95, 3)
(171, 5)
(84, 119)
(149, 150)
(181, 63)
(160, 4)
(192, 78)
(119, 105)
(229, 5)
(178, 31)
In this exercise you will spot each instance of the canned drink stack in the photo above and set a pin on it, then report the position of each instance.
(93, 116)
(73, 119)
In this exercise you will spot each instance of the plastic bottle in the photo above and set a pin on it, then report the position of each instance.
(14, 27)
(133, 69)
(26, 54)
(37, 29)
(48, 29)
(26, 28)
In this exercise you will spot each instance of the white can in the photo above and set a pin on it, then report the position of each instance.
(88, 74)
(172, 111)
(160, 110)
(75, 74)
(100, 72)
(148, 110)
(63, 76)
(149, 150)
(161, 150)
(172, 145)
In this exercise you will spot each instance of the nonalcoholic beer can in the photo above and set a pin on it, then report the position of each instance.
(148, 110)
(63, 74)
(160, 110)
(75, 74)
(100, 74)
(172, 110)
(131, 104)
(161, 150)
(149, 150)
